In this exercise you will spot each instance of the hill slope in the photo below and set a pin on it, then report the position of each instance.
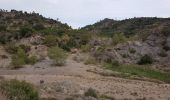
(17, 24)
(128, 26)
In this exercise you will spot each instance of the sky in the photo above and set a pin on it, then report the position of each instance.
(78, 13)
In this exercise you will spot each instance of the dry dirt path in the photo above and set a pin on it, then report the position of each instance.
(75, 79)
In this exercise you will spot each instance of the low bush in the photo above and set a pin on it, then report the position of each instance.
(91, 93)
(146, 59)
(18, 90)
(20, 58)
(58, 55)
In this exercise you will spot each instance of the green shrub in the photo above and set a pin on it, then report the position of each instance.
(19, 59)
(91, 93)
(17, 90)
(58, 55)
(118, 38)
(25, 32)
(146, 59)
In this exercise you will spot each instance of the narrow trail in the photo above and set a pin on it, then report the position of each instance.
(76, 74)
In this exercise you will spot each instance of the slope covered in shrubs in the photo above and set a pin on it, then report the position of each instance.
(18, 24)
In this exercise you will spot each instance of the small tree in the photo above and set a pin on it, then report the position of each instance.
(19, 58)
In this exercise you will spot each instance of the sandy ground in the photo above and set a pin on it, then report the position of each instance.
(73, 78)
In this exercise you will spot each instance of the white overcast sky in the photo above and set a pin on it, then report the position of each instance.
(78, 13)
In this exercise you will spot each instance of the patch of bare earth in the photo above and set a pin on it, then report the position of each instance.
(74, 79)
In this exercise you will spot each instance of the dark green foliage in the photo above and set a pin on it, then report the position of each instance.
(146, 59)
(91, 92)
(18, 90)
(25, 32)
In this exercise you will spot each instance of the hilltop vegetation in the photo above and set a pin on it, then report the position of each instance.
(18, 24)
(129, 27)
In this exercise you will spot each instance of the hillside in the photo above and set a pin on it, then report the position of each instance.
(130, 26)
(17, 24)
(44, 59)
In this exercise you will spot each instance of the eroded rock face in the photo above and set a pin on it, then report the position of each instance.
(155, 45)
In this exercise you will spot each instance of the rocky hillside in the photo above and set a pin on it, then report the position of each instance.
(17, 24)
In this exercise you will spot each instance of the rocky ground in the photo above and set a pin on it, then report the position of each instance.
(73, 79)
